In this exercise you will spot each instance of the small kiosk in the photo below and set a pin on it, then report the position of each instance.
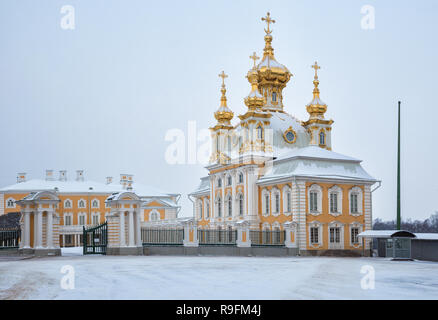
(394, 244)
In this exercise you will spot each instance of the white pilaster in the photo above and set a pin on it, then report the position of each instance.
(138, 241)
(49, 232)
(122, 229)
(26, 229)
(131, 229)
(39, 230)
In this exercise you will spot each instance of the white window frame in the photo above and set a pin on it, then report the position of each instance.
(85, 203)
(274, 194)
(356, 190)
(315, 188)
(340, 245)
(80, 215)
(92, 203)
(287, 203)
(68, 201)
(8, 200)
(70, 216)
(93, 218)
(152, 213)
(228, 202)
(335, 190)
(219, 206)
(360, 227)
(207, 209)
(240, 174)
(318, 225)
(240, 204)
(265, 203)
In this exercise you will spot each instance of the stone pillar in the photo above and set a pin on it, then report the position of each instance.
(290, 229)
(243, 237)
(190, 233)
(49, 233)
(138, 241)
(39, 230)
(26, 230)
(131, 229)
(122, 229)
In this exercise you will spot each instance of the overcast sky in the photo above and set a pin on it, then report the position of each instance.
(101, 97)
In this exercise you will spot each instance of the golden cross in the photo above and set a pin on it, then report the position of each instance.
(316, 67)
(268, 21)
(223, 76)
(255, 58)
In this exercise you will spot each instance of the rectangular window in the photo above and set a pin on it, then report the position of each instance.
(95, 219)
(335, 235)
(333, 202)
(68, 220)
(313, 201)
(314, 235)
(267, 204)
(353, 203)
(354, 235)
(288, 202)
(208, 209)
(277, 203)
(81, 220)
(241, 205)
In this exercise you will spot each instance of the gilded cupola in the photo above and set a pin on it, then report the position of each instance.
(316, 108)
(272, 75)
(224, 114)
(254, 100)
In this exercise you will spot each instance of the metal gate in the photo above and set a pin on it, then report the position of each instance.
(95, 239)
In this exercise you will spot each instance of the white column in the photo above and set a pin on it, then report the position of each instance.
(122, 229)
(26, 229)
(233, 193)
(131, 228)
(49, 232)
(138, 228)
(39, 229)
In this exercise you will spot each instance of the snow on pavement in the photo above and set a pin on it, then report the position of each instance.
(182, 277)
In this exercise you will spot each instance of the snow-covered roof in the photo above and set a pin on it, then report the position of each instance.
(82, 187)
(315, 162)
(204, 186)
(384, 234)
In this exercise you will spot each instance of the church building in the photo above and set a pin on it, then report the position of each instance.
(271, 169)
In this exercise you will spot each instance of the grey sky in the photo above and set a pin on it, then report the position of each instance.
(101, 97)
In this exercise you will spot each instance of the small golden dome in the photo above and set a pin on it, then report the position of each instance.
(316, 107)
(224, 114)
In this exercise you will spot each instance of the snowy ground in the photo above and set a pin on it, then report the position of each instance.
(176, 277)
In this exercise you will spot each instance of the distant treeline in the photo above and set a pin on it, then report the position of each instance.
(428, 225)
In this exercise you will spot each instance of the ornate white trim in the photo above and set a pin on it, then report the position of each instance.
(340, 225)
(335, 190)
(358, 191)
(275, 192)
(315, 224)
(315, 188)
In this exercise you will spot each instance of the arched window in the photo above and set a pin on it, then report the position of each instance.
(219, 182)
(207, 210)
(229, 206)
(219, 207)
(10, 203)
(356, 198)
(287, 200)
(200, 209)
(274, 96)
(240, 204)
(229, 180)
(81, 203)
(276, 201)
(321, 138)
(315, 199)
(240, 177)
(67, 204)
(265, 202)
(95, 203)
(260, 132)
(154, 216)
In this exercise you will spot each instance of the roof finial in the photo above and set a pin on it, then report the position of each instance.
(255, 58)
(316, 81)
(223, 76)
(268, 21)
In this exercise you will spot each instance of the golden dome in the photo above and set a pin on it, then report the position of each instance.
(316, 107)
(272, 76)
(224, 114)
(254, 100)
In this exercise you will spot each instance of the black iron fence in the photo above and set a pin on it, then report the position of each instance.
(9, 238)
(267, 238)
(151, 236)
(95, 239)
(217, 237)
